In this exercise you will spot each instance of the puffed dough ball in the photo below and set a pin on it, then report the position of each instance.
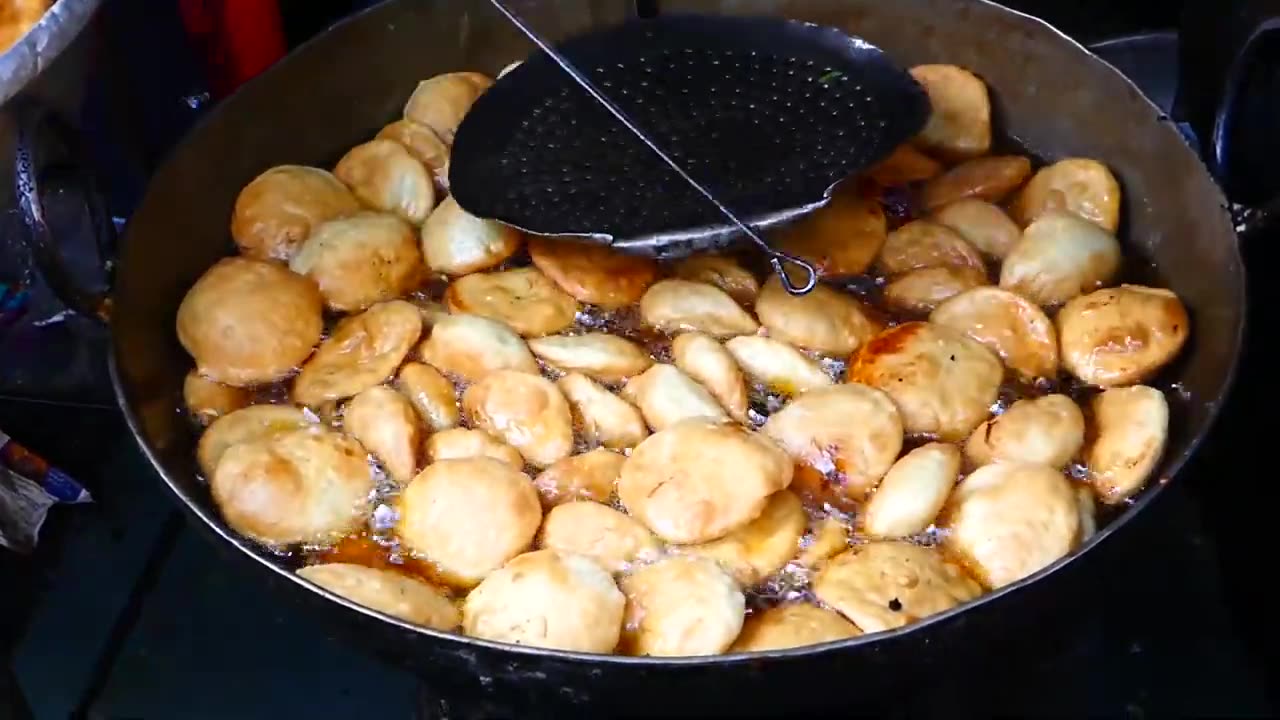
(1008, 520)
(922, 244)
(681, 606)
(425, 147)
(361, 260)
(904, 165)
(921, 291)
(912, 492)
(843, 439)
(1130, 428)
(828, 539)
(822, 320)
(592, 273)
(248, 322)
(441, 102)
(431, 394)
(603, 417)
(386, 177)
(547, 599)
(388, 427)
(1060, 257)
(792, 625)
(524, 299)
(275, 212)
(760, 548)
(364, 350)
(776, 365)
(1079, 186)
(1010, 325)
(19, 17)
(943, 383)
(527, 411)
(461, 443)
(888, 584)
(329, 413)
(988, 178)
(612, 539)
(1048, 431)
(677, 305)
(207, 400)
(432, 312)
(1088, 512)
(468, 516)
(960, 124)
(471, 347)
(304, 486)
(665, 396)
(589, 476)
(1122, 335)
(723, 272)
(705, 360)
(456, 242)
(984, 225)
(256, 422)
(698, 480)
(841, 238)
(607, 358)
(387, 591)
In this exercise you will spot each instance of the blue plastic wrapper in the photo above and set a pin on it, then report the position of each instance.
(13, 303)
(29, 486)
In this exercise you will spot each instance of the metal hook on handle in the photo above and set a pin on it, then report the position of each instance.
(810, 282)
(776, 257)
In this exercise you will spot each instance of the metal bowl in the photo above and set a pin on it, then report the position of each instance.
(36, 50)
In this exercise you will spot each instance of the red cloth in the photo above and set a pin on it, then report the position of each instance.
(237, 38)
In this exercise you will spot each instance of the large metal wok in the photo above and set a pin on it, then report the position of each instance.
(46, 40)
(1050, 94)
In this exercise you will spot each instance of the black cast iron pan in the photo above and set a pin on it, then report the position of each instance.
(1050, 94)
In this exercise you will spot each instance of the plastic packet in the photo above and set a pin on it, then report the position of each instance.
(29, 486)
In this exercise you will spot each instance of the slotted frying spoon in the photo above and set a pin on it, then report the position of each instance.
(602, 138)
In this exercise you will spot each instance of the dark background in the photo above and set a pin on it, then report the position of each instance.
(124, 612)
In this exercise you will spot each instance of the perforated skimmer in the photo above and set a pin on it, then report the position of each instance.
(681, 134)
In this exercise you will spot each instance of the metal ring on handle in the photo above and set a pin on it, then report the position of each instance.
(810, 282)
(776, 257)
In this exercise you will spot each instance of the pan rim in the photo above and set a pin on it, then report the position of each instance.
(530, 653)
